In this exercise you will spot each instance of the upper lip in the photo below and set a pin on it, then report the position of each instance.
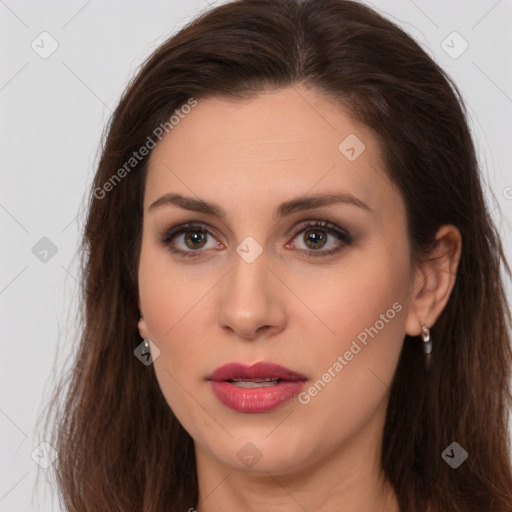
(261, 370)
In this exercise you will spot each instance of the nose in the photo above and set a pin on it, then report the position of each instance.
(251, 305)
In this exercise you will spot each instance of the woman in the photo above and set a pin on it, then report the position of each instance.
(292, 286)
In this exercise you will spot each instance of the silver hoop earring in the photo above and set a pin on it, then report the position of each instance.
(427, 345)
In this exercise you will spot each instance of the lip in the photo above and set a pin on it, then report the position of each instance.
(255, 400)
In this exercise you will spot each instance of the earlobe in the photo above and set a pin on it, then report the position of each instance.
(434, 280)
(142, 323)
(143, 329)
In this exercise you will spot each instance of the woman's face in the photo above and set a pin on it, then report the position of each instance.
(297, 256)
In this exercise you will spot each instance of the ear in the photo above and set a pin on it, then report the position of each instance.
(143, 328)
(434, 280)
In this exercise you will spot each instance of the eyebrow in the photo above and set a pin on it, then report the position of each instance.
(304, 202)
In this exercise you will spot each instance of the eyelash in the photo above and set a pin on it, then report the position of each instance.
(325, 226)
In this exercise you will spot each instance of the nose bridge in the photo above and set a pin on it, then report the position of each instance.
(249, 298)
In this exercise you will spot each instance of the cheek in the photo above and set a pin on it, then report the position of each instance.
(176, 320)
(365, 308)
(178, 310)
(169, 294)
(352, 296)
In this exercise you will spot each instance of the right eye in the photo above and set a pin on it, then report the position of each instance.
(189, 240)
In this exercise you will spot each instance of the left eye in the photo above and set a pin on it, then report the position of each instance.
(320, 237)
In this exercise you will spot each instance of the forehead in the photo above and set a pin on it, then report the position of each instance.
(280, 143)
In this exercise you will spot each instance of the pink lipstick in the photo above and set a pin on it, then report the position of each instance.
(259, 388)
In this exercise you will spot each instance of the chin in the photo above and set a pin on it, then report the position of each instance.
(256, 452)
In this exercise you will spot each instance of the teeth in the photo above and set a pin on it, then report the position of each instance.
(267, 379)
(256, 383)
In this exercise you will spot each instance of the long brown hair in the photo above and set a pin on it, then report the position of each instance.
(120, 446)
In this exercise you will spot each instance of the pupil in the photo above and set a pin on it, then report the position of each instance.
(195, 239)
(315, 239)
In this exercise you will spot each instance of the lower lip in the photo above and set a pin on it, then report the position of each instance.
(251, 400)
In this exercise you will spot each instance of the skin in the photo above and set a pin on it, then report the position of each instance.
(297, 311)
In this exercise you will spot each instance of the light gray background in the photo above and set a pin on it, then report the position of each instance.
(53, 112)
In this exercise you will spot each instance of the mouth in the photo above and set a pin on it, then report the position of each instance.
(259, 388)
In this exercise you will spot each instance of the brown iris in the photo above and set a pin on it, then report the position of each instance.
(314, 239)
(195, 239)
